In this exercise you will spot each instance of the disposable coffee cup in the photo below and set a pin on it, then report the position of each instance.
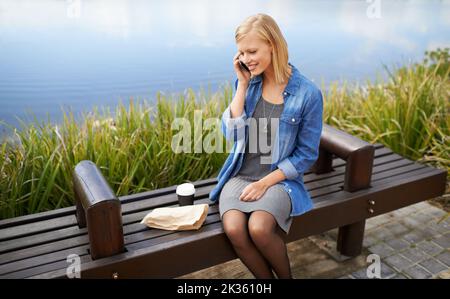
(185, 193)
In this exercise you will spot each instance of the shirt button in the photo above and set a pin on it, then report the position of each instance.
(293, 119)
(290, 190)
(285, 93)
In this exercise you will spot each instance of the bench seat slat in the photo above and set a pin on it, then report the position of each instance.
(132, 227)
(343, 209)
(213, 231)
(389, 182)
(338, 174)
(33, 265)
(385, 174)
(67, 221)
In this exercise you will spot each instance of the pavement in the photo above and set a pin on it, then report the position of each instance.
(409, 243)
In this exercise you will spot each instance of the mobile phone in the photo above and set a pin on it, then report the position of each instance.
(244, 66)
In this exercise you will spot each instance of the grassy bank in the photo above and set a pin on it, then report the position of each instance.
(409, 113)
(132, 146)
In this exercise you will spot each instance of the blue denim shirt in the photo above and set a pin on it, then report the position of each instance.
(296, 144)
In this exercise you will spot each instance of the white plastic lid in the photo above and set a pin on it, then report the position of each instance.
(185, 189)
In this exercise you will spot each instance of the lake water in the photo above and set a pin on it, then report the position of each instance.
(81, 54)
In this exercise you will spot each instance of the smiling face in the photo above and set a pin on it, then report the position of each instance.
(255, 53)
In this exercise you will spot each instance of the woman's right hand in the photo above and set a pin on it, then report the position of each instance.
(242, 75)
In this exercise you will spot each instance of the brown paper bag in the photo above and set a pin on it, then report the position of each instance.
(189, 217)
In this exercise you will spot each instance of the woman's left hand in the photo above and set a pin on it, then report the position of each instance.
(253, 191)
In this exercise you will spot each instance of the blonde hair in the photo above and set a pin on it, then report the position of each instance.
(267, 29)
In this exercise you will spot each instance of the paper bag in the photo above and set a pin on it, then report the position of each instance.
(189, 217)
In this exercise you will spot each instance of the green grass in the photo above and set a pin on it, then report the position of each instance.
(132, 146)
(133, 150)
(408, 113)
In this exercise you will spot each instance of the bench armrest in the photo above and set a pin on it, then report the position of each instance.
(99, 209)
(357, 153)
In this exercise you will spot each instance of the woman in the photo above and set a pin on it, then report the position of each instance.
(259, 191)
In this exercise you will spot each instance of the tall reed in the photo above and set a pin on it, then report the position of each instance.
(409, 113)
(132, 147)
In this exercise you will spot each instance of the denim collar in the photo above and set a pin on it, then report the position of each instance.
(293, 84)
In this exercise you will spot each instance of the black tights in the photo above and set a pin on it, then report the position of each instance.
(258, 243)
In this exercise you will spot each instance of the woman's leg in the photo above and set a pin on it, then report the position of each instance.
(236, 229)
(263, 230)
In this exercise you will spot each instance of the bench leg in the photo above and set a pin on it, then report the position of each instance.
(350, 238)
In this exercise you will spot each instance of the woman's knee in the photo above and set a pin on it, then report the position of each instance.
(235, 227)
(261, 226)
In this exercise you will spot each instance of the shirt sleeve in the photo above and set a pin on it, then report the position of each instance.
(233, 128)
(307, 141)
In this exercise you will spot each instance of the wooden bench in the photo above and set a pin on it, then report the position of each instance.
(350, 182)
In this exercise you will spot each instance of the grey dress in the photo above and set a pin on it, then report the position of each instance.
(256, 165)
